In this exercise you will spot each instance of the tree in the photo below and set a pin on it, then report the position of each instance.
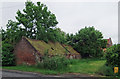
(69, 39)
(88, 42)
(13, 33)
(60, 36)
(36, 20)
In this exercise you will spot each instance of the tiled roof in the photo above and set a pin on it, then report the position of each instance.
(109, 42)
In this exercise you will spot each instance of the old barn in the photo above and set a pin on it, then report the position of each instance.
(30, 51)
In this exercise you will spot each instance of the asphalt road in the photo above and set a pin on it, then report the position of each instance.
(14, 73)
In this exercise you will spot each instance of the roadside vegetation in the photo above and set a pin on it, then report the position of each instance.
(83, 66)
(113, 57)
(37, 22)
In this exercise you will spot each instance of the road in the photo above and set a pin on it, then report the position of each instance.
(14, 73)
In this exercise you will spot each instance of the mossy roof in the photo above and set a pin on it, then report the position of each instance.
(54, 48)
(69, 48)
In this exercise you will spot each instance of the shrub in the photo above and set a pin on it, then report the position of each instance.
(8, 58)
(54, 63)
(113, 55)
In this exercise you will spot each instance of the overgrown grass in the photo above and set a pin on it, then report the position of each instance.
(89, 66)
(85, 66)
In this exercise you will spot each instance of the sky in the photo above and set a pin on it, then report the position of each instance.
(74, 15)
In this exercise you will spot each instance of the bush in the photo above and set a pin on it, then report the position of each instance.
(54, 63)
(8, 58)
(113, 55)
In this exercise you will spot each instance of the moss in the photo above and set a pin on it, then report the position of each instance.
(53, 48)
(69, 48)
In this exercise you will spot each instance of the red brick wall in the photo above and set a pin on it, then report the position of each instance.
(24, 53)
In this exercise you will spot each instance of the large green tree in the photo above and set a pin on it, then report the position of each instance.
(35, 21)
(88, 42)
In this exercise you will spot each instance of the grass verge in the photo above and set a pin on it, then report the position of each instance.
(84, 66)
(30, 69)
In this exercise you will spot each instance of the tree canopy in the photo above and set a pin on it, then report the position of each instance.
(35, 21)
(88, 42)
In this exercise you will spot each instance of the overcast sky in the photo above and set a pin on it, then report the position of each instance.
(72, 16)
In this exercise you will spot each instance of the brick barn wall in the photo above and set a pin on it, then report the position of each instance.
(24, 53)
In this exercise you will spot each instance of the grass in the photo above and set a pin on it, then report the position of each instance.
(87, 66)
(30, 69)
(84, 66)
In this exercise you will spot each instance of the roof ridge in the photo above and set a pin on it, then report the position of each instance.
(66, 49)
